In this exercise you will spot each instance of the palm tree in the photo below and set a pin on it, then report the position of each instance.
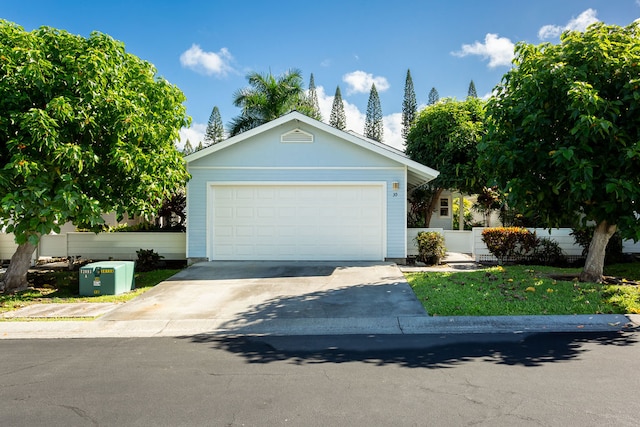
(267, 98)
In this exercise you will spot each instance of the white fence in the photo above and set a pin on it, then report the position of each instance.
(7, 246)
(470, 242)
(103, 246)
(172, 246)
(455, 241)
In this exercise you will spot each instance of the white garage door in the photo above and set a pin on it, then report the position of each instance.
(297, 222)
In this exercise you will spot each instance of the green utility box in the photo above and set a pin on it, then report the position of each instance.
(107, 278)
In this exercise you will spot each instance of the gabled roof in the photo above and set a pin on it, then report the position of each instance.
(418, 173)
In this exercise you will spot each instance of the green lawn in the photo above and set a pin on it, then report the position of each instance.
(63, 287)
(524, 290)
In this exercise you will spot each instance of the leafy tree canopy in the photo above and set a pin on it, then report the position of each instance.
(86, 128)
(445, 136)
(564, 132)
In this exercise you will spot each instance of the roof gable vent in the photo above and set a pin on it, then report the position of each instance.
(297, 136)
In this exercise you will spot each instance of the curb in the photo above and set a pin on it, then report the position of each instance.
(406, 325)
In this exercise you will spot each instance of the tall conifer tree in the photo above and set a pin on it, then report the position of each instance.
(373, 127)
(313, 99)
(215, 128)
(433, 96)
(188, 148)
(472, 90)
(409, 105)
(338, 119)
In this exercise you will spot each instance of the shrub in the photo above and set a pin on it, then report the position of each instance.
(547, 252)
(148, 260)
(509, 243)
(430, 247)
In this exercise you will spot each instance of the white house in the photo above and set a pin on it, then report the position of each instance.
(299, 189)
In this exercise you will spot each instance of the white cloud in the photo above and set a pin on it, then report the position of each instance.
(194, 134)
(208, 63)
(499, 50)
(580, 23)
(355, 119)
(360, 82)
(393, 130)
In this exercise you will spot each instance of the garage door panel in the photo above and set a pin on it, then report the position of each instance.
(298, 222)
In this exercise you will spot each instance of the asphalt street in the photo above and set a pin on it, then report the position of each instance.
(553, 379)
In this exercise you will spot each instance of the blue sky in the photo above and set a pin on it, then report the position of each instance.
(206, 48)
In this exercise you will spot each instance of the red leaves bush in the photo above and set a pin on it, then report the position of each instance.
(509, 243)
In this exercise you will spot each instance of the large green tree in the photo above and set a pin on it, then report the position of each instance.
(215, 128)
(409, 105)
(445, 137)
(564, 134)
(338, 119)
(373, 126)
(267, 98)
(85, 128)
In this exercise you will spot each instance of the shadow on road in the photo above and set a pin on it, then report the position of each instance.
(418, 351)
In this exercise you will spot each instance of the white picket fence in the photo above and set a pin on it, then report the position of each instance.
(103, 246)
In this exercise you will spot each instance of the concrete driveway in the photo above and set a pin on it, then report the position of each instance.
(278, 297)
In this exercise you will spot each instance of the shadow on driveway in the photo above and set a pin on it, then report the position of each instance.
(231, 296)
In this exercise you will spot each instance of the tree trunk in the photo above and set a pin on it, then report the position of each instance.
(435, 199)
(15, 278)
(594, 265)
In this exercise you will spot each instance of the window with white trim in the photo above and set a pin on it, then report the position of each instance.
(444, 208)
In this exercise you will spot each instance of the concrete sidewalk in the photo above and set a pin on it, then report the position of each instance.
(266, 298)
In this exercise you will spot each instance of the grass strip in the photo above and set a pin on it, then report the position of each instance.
(522, 290)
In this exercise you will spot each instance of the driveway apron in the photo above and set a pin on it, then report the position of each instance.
(255, 296)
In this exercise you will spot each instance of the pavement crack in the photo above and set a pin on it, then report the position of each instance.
(81, 413)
